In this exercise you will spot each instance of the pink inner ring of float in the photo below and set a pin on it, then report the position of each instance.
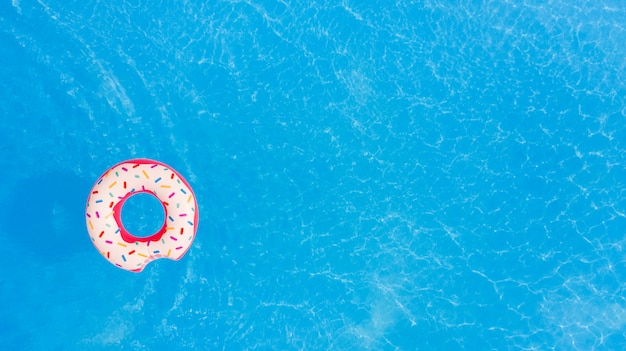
(126, 235)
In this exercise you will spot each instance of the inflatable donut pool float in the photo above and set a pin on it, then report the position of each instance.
(118, 184)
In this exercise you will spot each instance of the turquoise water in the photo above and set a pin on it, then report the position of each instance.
(429, 175)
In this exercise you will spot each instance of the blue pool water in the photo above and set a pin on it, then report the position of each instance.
(370, 175)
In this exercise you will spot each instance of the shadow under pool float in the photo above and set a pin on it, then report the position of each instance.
(104, 208)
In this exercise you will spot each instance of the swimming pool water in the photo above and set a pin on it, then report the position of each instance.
(410, 175)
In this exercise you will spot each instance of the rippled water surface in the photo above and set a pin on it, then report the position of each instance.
(410, 175)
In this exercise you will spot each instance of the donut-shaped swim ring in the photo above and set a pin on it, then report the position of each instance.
(117, 185)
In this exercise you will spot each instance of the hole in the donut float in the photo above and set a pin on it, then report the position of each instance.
(142, 215)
